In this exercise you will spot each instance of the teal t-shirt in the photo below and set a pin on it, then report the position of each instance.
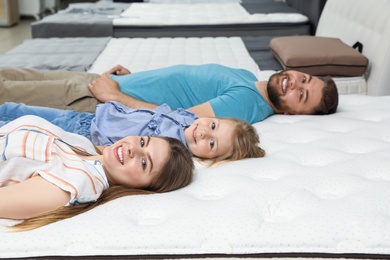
(231, 92)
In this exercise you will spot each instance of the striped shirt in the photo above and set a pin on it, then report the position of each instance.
(31, 149)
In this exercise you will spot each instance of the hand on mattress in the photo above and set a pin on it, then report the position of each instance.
(105, 89)
(118, 70)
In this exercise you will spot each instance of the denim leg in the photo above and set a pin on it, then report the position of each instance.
(69, 120)
(3, 123)
(76, 122)
(10, 111)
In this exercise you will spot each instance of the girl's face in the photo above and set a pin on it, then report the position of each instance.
(209, 138)
(135, 160)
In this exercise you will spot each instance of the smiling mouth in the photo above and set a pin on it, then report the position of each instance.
(193, 133)
(119, 154)
(284, 85)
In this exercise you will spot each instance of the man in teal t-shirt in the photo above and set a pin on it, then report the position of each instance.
(216, 90)
(185, 86)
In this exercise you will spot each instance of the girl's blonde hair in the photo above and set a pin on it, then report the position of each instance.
(176, 173)
(245, 144)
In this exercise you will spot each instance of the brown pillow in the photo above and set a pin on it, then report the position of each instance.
(318, 56)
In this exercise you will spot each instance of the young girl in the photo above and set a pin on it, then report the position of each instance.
(47, 174)
(210, 138)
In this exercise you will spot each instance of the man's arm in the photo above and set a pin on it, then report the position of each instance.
(106, 89)
(203, 110)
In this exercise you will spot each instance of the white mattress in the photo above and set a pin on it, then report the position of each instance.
(140, 14)
(323, 187)
(351, 85)
(140, 54)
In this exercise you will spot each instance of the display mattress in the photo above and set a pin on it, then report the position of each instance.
(321, 190)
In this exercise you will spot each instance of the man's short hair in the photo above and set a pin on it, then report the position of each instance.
(330, 97)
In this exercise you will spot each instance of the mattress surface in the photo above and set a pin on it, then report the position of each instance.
(140, 54)
(199, 14)
(323, 187)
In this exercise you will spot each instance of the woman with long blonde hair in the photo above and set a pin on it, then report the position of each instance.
(47, 174)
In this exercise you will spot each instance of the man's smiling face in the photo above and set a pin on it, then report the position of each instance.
(293, 92)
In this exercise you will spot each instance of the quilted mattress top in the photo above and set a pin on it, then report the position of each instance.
(323, 187)
(140, 54)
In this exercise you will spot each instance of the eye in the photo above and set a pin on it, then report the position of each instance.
(143, 162)
(212, 143)
(304, 79)
(300, 95)
(142, 142)
(212, 126)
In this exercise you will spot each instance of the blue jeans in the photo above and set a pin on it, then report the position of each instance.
(69, 120)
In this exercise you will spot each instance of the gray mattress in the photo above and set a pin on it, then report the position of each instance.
(74, 54)
(95, 20)
(78, 54)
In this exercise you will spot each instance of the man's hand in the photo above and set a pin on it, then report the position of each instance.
(118, 70)
(105, 89)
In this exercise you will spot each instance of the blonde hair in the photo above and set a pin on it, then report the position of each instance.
(176, 173)
(246, 143)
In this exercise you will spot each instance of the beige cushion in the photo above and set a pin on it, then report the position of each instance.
(318, 56)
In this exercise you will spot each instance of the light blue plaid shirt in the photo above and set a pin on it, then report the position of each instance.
(114, 121)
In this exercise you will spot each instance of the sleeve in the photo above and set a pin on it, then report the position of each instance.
(45, 127)
(27, 144)
(238, 102)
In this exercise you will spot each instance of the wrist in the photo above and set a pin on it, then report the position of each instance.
(123, 99)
